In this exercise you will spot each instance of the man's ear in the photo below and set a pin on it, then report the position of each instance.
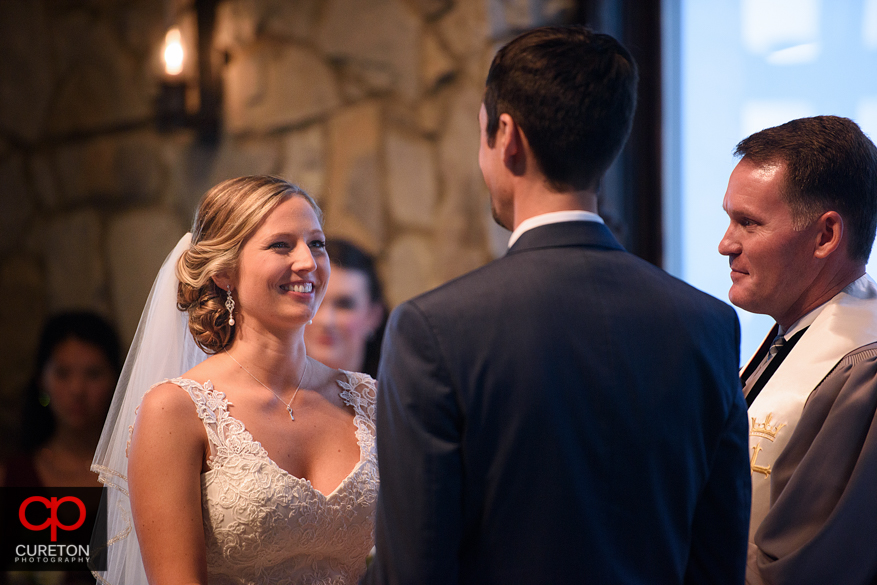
(830, 234)
(510, 139)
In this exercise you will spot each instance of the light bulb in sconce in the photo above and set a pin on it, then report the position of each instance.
(171, 106)
(173, 52)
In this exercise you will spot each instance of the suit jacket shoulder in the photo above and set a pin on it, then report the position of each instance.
(569, 257)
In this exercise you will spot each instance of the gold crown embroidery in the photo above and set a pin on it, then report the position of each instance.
(765, 429)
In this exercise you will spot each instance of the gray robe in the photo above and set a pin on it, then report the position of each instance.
(822, 523)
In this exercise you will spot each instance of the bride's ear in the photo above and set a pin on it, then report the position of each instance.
(222, 280)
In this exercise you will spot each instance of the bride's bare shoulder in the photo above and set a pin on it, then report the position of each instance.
(174, 393)
(169, 394)
(166, 419)
(168, 405)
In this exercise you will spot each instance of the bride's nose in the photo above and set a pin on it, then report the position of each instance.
(303, 259)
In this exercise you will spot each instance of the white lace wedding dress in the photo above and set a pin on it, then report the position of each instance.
(263, 525)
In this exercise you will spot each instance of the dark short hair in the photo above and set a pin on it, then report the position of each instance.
(38, 422)
(572, 92)
(831, 165)
(347, 255)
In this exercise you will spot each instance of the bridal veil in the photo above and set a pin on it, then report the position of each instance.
(162, 348)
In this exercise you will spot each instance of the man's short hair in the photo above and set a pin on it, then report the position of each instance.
(572, 92)
(830, 166)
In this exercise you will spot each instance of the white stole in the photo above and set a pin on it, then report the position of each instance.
(848, 321)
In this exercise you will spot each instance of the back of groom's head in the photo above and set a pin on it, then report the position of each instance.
(573, 93)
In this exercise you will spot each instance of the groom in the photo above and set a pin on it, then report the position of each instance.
(567, 413)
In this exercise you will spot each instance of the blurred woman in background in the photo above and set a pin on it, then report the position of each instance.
(65, 403)
(347, 330)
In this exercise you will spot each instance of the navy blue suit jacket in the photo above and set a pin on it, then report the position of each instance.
(565, 414)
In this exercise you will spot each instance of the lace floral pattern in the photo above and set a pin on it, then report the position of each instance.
(263, 525)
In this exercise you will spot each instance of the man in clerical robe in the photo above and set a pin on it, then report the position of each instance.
(802, 204)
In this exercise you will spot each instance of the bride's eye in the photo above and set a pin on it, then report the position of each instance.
(280, 245)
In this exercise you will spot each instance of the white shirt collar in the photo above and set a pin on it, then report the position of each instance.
(553, 217)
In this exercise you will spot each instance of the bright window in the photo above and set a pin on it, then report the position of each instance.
(735, 67)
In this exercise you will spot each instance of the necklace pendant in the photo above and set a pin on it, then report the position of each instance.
(289, 410)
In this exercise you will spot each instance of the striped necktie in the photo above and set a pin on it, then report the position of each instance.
(778, 351)
(775, 347)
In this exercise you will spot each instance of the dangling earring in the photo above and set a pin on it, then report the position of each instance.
(229, 304)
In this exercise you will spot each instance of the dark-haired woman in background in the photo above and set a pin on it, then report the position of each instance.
(66, 401)
(348, 328)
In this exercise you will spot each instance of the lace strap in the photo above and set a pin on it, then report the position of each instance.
(211, 407)
(358, 392)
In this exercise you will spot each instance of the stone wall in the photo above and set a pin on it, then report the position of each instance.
(370, 105)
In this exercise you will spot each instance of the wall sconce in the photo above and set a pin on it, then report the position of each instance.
(181, 104)
(172, 97)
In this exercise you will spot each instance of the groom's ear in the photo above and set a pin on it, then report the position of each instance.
(506, 139)
(514, 145)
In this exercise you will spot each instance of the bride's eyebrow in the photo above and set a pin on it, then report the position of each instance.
(315, 233)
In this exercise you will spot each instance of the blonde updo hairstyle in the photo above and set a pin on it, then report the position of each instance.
(227, 215)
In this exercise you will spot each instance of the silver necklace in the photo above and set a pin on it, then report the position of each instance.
(297, 387)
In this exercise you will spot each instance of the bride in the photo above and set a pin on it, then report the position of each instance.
(258, 464)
